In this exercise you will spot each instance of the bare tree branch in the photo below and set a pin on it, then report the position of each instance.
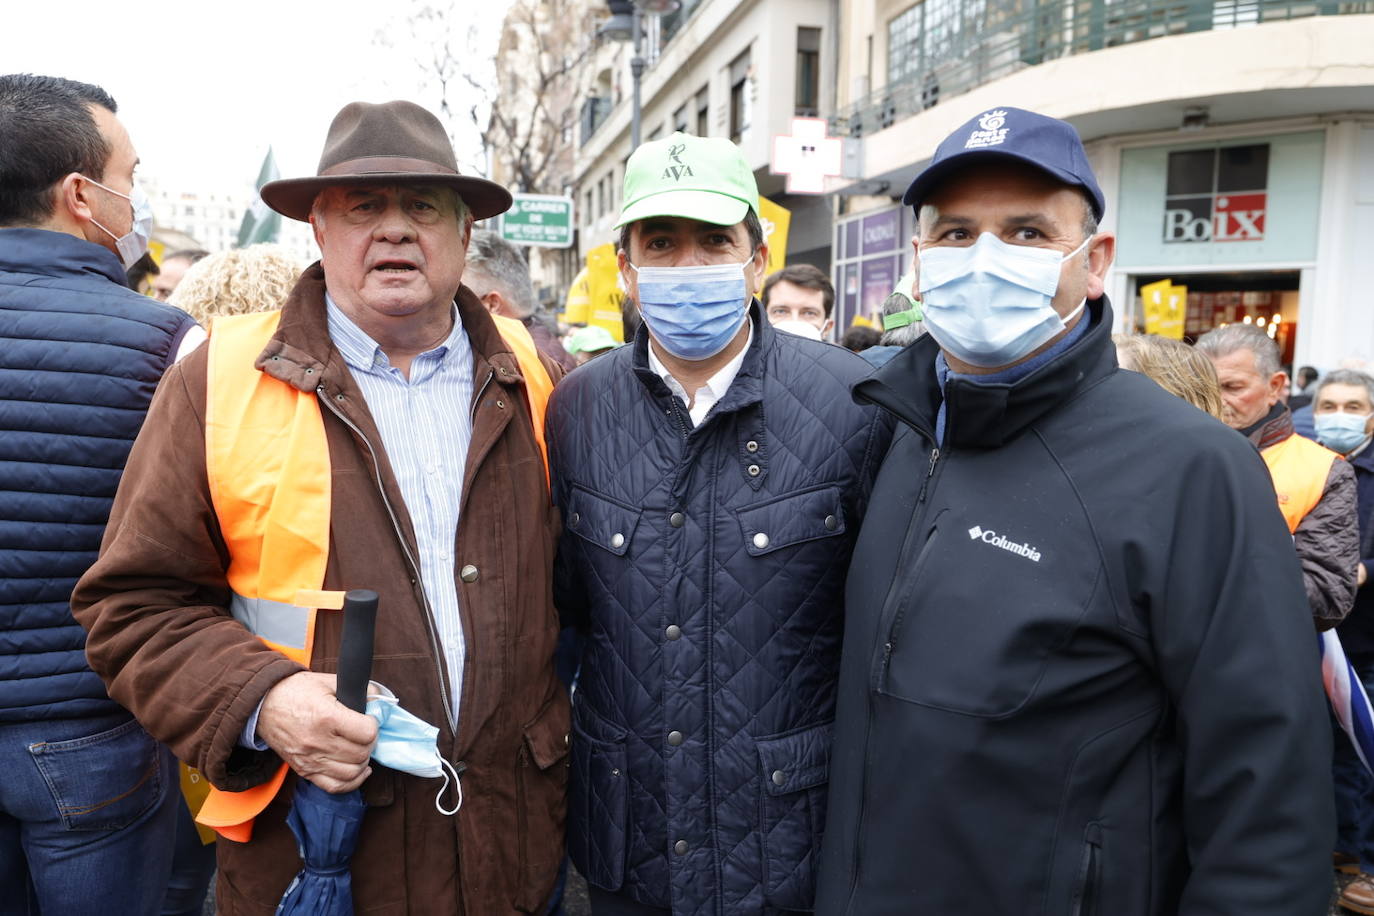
(523, 107)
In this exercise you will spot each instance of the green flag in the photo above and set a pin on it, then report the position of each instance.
(260, 222)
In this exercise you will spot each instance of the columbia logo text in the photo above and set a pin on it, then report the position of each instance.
(987, 536)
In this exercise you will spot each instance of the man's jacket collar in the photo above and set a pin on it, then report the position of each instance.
(989, 415)
(302, 354)
(53, 254)
(746, 389)
(1275, 426)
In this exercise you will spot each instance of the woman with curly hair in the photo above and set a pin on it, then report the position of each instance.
(235, 282)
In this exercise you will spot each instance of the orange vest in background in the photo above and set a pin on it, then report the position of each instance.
(1299, 468)
(267, 461)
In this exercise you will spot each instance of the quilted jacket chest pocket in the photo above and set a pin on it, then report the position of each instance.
(792, 519)
(607, 524)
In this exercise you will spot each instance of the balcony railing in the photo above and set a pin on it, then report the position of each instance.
(984, 40)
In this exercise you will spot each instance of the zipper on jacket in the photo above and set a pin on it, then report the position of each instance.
(885, 629)
(472, 414)
(1089, 877)
(410, 559)
(677, 415)
(930, 472)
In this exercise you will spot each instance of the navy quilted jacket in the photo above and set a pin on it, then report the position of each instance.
(706, 568)
(80, 355)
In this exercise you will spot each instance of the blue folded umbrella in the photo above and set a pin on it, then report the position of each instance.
(326, 828)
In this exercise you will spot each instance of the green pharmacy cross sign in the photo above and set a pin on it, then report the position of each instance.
(539, 219)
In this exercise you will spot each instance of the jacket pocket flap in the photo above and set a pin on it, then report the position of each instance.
(797, 761)
(609, 525)
(792, 519)
(547, 736)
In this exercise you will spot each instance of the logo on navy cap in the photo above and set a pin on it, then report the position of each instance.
(991, 131)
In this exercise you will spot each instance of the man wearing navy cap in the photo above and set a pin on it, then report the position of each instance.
(1077, 677)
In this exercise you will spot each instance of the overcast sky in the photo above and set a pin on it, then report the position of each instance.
(204, 88)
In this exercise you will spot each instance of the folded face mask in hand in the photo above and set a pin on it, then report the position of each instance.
(408, 743)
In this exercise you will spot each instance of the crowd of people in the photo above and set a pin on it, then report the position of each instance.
(1003, 613)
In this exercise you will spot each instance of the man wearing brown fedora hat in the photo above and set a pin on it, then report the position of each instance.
(381, 431)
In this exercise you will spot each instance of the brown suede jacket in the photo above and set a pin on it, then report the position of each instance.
(156, 601)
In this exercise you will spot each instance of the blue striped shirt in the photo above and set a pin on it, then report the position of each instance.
(426, 426)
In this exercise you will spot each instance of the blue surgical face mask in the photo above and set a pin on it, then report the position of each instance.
(1341, 432)
(408, 743)
(693, 312)
(989, 304)
(133, 244)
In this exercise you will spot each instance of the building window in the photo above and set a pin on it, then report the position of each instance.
(926, 35)
(704, 111)
(808, 102)
(591, 214)
(739, 98)
(680, 119)
(595, 110)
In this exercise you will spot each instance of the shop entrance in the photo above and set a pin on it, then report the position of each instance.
(1267, 299)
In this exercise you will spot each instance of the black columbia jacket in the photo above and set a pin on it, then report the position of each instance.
(1079, 674)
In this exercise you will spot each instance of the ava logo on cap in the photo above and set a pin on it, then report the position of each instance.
(681, 170)
(991, 132)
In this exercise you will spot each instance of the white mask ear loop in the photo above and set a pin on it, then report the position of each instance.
(1079, 248)
(449, 773)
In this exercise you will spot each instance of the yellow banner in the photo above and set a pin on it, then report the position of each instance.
(1177, 312)
(775, 220)
(595, 296)
(579, 301)
(1164, 306)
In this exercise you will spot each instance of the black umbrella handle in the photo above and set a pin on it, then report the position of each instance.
(355, 653)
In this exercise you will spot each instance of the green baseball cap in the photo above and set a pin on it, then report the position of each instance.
(589, 340)
(702, 178)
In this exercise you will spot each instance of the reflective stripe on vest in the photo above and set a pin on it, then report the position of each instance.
(1299, 468)
(261, 433)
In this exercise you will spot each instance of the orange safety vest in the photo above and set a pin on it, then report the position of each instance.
(1299, 468)
(267, 461)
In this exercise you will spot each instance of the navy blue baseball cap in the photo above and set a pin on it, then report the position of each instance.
(1049, 144)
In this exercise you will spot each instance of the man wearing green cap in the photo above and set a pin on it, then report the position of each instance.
(711, 476)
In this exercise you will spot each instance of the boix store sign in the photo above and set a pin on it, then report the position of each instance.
(1217, 195)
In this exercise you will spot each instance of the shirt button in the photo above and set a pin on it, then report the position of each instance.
(501, 404)
(675, 738)
(754, 470)
(680, 847)
(760, 540)
(468, 573)
(574, 519)
(751, 446)
(617, 541)
(779, 778)
(673, 632)
(677, 519)
(831, 523)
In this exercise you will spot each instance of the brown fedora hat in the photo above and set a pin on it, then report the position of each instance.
(394, 143)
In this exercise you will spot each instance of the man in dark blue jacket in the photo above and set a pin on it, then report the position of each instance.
(1343, 414)
(1079, 671)
(711, 477)
(88, 799)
